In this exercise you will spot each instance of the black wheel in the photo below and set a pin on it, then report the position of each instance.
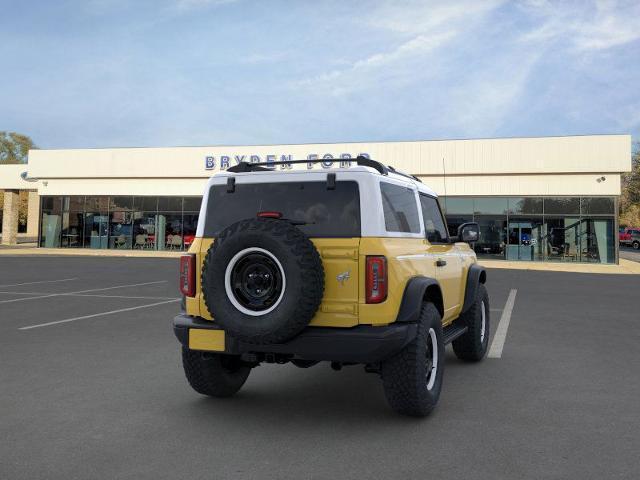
(263, 280)
(636, 245)
(473, 345)
(412, 378)
(214, 374)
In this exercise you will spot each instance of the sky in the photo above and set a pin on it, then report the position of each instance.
(115, 73)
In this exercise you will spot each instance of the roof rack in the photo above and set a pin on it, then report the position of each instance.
(260, 166)
(360, 160)
(402, 174)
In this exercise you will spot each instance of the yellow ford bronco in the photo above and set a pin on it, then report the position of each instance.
(348, 265)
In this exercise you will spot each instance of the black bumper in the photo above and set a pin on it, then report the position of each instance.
(361, 344)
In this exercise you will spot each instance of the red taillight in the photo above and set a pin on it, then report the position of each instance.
(376, 281)
(188, 275)
(269, 214)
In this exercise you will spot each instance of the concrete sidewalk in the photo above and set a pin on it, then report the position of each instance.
(626, 267)
(87, 252)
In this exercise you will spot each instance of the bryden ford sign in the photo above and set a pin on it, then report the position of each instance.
(223, 162)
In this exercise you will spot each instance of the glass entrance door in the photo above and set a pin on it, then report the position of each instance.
(524, 240)
(96, 230)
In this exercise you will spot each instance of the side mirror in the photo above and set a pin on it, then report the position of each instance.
(468, 232)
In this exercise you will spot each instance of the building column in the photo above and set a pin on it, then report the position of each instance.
(33, 214)
(10, 217)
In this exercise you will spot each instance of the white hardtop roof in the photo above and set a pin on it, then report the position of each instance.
(316, 175)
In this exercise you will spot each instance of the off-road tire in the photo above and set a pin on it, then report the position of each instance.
(404, 375)
(302, 269)
(213, 374)
(473, 345)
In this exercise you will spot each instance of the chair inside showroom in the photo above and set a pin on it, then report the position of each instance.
(176, 242)
(141, 241)
(121, 241)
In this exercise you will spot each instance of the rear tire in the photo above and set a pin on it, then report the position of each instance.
(636, 245)
(412, 378)
(213, 374)
(473, 345)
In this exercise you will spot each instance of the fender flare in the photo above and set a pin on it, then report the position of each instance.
(414, 293)
(475, 276)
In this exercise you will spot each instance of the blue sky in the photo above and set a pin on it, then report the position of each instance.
(103, 73)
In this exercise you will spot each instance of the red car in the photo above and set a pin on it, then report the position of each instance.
(630, 237)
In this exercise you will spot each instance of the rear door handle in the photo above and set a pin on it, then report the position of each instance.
(440, 263)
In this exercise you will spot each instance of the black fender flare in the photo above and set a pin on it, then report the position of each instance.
(475, 276)
(417, 289)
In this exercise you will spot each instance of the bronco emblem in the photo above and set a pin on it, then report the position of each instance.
(342, 277)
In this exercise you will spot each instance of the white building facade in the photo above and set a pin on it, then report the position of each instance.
(536, 199)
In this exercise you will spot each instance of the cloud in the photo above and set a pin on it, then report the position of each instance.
(605, 25)
(419, 30)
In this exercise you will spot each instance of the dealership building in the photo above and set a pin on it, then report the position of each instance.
(549, 199)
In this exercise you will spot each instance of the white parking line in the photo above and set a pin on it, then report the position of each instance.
(501, 332)
(84, 317)
(86, 295)
(81, 291)
(41, 281)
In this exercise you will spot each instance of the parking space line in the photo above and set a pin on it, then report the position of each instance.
(41, 281)
(501, 332)
(87, 295)
(84, 317)
(81, 291)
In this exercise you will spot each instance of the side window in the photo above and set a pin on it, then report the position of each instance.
(434, 225)
(400, 208)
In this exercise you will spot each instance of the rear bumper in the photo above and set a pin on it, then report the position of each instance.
(361, 344)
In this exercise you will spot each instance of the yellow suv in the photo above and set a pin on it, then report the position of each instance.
(351, 265)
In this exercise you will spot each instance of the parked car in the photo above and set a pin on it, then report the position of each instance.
(350, 266)
(630, 237)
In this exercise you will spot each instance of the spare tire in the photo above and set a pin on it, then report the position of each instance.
(262, 280)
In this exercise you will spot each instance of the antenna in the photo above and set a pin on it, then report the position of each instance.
(444, 181)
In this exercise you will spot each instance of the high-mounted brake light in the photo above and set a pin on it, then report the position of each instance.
(269, 214)
(376, 279)
(188, 275)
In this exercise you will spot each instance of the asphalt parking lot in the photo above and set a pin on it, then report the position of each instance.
(630, 253)
(91, 386)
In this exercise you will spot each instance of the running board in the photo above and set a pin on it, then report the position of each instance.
(453, 331)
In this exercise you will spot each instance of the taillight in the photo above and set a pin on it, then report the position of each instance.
(188, 275)
(376, 280)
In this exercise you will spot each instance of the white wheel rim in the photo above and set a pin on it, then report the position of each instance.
(483, 324)
(433, 372)
(227, 281)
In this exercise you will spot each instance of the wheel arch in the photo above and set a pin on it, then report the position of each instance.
(475, 276)
(417, 290)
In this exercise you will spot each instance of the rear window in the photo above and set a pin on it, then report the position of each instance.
(400, 208)
(326, 213)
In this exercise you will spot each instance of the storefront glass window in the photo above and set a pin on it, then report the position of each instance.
(457, 205)
(561, 239)
(144, 230)
(562, 206)
(169, 231)
(493, 237)
(192, 204)
(597, 206)
(525, 206)
(145, 204)
(565, 229)
(170, 204)
(51, 224)
(490, 206)
(120, 230)
(72, 222)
